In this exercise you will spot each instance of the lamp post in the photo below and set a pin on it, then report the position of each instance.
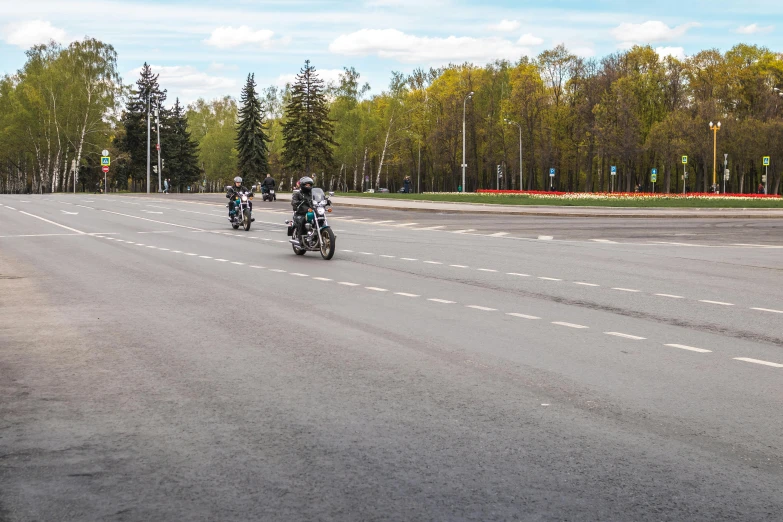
(149, 93)
(511, 122)
(464, 165)
(157, 120)
(714, 128)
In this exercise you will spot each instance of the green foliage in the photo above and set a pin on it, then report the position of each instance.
(180, 151)
(213, 126)
(251, 137)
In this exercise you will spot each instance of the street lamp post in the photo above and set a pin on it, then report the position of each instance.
(464, 165)
(714, 129)
(149, 93)
(511, 122)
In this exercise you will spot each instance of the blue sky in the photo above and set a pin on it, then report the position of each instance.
(206, 48)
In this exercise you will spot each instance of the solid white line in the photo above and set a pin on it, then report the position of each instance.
(689, 348)
(299, 275)
(518, 275)
(626, 336)
(347, 283)
(47, 235)
(322, 279)
(405, 294)
(441, 301)
(626, 290)
(671, 296)
(758, 361)
(768, 310)
(721, 303)
(522, 316)
(279, 271)
(486, 270)
(550, 279)
(376, 289)
(408, 259)
(153, 220)
(569, 325)
(433, 262)
(12, 208)
(459, 266)
(236, 263)
(498, 234)
(50, 222)
(585, 284)
(483, 308)
(464, 231)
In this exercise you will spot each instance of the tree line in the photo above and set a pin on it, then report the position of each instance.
(635, 110)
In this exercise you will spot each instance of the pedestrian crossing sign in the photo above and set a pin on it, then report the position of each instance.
(685, 160)
(766, 161)
(105, 161)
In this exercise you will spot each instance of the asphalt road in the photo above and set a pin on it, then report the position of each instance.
(157, 365)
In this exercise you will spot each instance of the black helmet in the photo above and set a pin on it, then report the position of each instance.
(303, 182)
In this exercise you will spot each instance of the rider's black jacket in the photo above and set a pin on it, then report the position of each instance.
(233, 190)
(268, 183)
(301, 202)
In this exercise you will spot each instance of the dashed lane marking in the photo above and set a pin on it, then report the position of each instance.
(460, 266)
(570, 325)
(236, 263)
(550, 279)
(278, 270)
(404, 294)
(522, 316)
(517, 274)
(585, 284)
(443, 301)
(626, 336)
(498, 234)
(770, 310)
(367, 253)
(346, 283)
(408, 259)
(689, 348)
(322, 279)
(186, 253)
(433, 262)
(759, 361)
(386, 256)
(486, 270)
(437, 227)
(604, 241)
(205, 257)
(670, 296)
(720, 303)
(297, 274)
(221, 260)
(464, 231)
(376, 289)
(482, 308)
(633, 291)
(257, 266)
(385, 221)
(405, 224)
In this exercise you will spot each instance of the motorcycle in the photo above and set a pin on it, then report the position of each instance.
(243, 209)
(318, 234)
(269, 195)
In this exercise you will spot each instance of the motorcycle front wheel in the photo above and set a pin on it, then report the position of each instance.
(327, 244)
(247, 221)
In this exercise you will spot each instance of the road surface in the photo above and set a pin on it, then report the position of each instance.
(157, 365)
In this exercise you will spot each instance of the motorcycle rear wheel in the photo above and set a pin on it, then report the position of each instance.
(298, 251)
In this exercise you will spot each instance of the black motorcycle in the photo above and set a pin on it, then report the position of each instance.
(243, 209)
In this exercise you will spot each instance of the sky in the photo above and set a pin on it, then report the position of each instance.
(206, 48)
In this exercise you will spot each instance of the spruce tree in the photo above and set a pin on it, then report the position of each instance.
(251, 136)
(180, 151)
(134, 119)
(307, 131)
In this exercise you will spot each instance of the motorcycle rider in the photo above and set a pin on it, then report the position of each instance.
(268, 184)
(232, 192)
(301, 200)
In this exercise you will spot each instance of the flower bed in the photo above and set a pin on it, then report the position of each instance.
(619, 195)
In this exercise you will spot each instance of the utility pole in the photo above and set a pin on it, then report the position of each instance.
(148, 141)
(464, 165)
(714, 129)
(157, 119)
(510, 122)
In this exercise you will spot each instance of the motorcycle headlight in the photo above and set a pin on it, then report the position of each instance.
(320, 211)
(244, 198)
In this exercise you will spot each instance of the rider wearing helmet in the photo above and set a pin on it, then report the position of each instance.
(232, 191)
(301, 200)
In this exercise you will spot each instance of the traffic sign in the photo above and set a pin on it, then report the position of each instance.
(654, 171)
(654, 175)
(105, 152)
(105, 161)
(685, 160)
(105, 168)
(552, 173)
(614, 170)
(766, 161)
(157, 146)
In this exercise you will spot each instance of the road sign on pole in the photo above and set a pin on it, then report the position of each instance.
(654, 175)
(766, 161)
(552, 173)
(105, 152)
(105, 168)
(614, 170)
(685, 160)
(105, 161)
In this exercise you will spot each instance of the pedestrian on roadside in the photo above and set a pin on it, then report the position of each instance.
(406, 185)
(165, 186)
(760, 189)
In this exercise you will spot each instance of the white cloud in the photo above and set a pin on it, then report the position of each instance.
(754, 29)
(528, 40)
(505, 26)
(396, 45)
(188, 83)
(583, 52)
(649, 32)
(676, 52)
(27, 34)
(230, 37)
(327, 75)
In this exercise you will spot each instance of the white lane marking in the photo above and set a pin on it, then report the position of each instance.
(152, 212)
(499, 234)
(768, 310)
(70, 213)
(406, 294)
(670, 296)
(376, 289)
(626, 336)
(406, 224)
(158, 232)
(721, 303)
(517, 274)
(408, 259)
(482, 308)
(12, 208)
(322, 279)
(140, 244)
(278, 270)
(550, 279)
(459, 266)
(486, 270)
(150, 246)
(689, 348)
(45, 235)
(626, 290)
(221, 260)
(50, 222)
(437, 227)
(569, 325)
(360, 219)
(346, 283)
(265, 239)
(545, 238)
(346, 250)
(433, 262)
(367, 253)
(84, 206)
(280, 241)
(297, 274)
(385, 221)
(585, 284)
(186, 253)
(522, 316)
(253, 266)
(388, 257)
(464, 231)
(205, 257)
(152, 220)
(759, 361)
(236, 263)
(604, 241)
(444, 301)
